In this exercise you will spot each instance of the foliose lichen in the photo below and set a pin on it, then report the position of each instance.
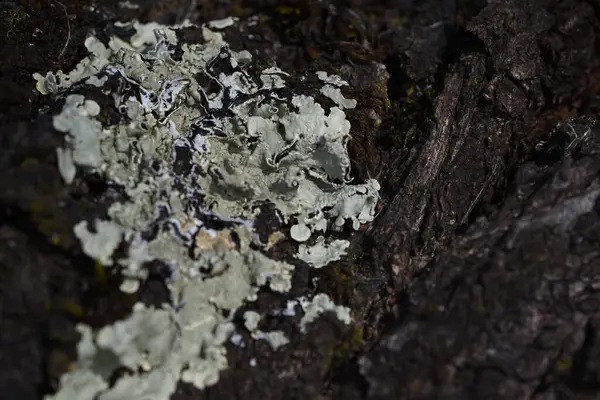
(276, 339)
(318, 305)
(321, 253)
(202, 140)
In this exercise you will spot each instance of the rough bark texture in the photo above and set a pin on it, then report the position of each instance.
(477, 280)
(510, 308)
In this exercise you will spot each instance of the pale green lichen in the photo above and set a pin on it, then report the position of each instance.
(320, 304)
(161, 342)
(336, 95)
(221, 23)
(84, 385)
(321, 253)
(66, 165)
(275, 339)
(195, 152)
(94, 63)
(334, 80)
(84, 135)
(101, 244)
(300, 232)
(251, 320)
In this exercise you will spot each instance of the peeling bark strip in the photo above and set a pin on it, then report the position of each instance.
(501, 93)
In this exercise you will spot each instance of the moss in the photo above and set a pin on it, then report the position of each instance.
(13, 20)
(328, 361)
(237, 10)
(30, 161)
(432, 308)
(374, 97)
(100, 273)
(46, 222)
(105, 116)
(416, 109)
(73, 309)
(398, 21)
(287, 10)
(46, 226)
(341, 282)
(14, 17)
(36, 6)
(397, 137)
(351, 36)
(42, 217)
(343, 350)
(388, 104)
(37, 206)
(564, 364)
(339, 277)
(351, 345)
(342, 278)
(55, 239)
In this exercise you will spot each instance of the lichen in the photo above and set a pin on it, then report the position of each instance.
(321, 253)
(320, 304)
(276, 339)
(202, 141)
(336, 95)
(84, 135)
(101, 244)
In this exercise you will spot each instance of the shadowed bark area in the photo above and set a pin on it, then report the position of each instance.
(477, 279)
(509, 309)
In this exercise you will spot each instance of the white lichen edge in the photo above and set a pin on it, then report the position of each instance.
(275, 339)
(321, 253)
(321, 303)
(243, 145)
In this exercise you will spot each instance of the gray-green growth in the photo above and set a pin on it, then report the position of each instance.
(196, 150)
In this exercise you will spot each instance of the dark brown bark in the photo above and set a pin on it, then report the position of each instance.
(477, 280)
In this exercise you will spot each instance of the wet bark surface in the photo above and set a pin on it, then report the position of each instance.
(479, 277)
